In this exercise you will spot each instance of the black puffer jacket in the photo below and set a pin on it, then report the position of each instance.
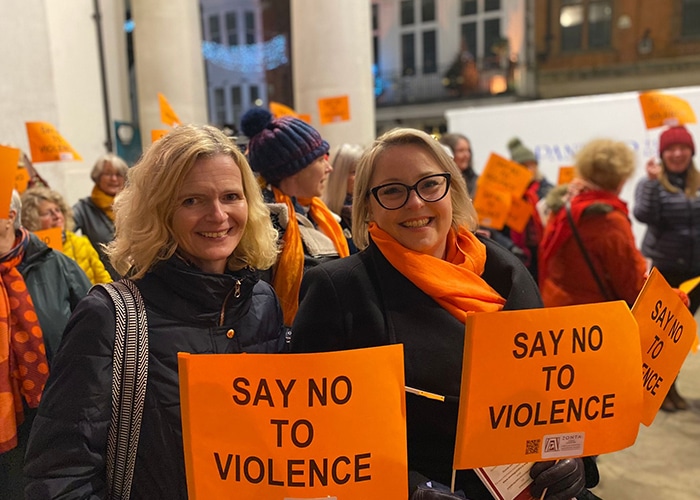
(188, 311)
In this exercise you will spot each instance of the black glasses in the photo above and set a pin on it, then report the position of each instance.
(430, 189)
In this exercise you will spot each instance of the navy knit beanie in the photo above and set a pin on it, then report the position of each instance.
(279, 148)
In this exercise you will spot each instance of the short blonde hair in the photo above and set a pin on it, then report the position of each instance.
(605, 163)
(463, 213)
(144, 209)
(343, 159)
(31, 200)
(108, 158)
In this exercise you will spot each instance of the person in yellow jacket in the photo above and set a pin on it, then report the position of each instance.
(43, 208)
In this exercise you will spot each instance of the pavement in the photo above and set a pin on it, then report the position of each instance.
(664, 462)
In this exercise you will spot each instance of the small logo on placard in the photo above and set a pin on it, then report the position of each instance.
(563, 445)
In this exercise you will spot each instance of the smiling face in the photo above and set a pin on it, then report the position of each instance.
(211, 213)
(418, 225)
(462, 154)
(50, 215)
(111, 181)
(677, 158)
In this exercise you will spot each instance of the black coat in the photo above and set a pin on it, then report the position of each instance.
(363, 301)
(188, 311)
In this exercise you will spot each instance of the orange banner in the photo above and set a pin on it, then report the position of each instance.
(46, 144)
(22, 178)
(157, 134)
(9, 159)
(503, 174)
(334, 109)
(566, 175)
(279, 426)
(554, 383)
(53, 237)
(492, 206)
(279, 110)
(667, 331)
(519, 214)
(167, 114)
(663, 109)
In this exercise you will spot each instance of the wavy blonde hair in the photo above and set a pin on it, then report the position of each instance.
(144, 209)
(31, 200)
(605, 162)
(343, 159)
(463, 212)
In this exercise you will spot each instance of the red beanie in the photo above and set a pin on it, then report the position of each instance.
(676, 135)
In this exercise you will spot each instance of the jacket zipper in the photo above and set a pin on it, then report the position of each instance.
(236, 291)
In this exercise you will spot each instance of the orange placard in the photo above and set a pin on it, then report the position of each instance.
(334, 109)
(157, 134)
(503, 174)
(551, 383)
(53, 237)
(9, 159)
(492, 206)
(167, 114)
(295, 425)
(663, 109)
(519, 214)
(667, 331)
(46, 144)
(21, 180)
(279, 110)
(566, 175)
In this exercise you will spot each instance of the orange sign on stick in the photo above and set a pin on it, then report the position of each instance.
(167, 114)
(334, 109)
(667, 331)
(295, 425)
(503, 174)
(663, 109)
(279, 110)
(9, 159)
(46, 144)
(566, 175)
(519, 214)
(157, 134)
(492, 206)
(551, 383)
(53, 237)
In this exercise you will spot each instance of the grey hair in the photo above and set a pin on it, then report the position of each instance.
(16, 206)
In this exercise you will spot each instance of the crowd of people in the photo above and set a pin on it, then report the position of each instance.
(297, 246)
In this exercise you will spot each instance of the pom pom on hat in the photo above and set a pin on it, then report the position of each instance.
(281, 147)
(676, 135)
(519, 153)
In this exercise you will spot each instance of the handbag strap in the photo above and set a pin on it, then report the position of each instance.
(129, 377)
(587, 257)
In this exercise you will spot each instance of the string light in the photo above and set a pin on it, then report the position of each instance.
(253, 58)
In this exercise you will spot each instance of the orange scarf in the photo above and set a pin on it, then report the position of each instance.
(103, 201)
(23, 365)
(290, 266)
(455, 283)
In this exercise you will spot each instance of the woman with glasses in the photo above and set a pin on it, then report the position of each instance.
(421, 270)
(93, 215)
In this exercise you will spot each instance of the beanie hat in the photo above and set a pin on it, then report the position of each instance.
(279, 148)
(519, 153)
(675, 135)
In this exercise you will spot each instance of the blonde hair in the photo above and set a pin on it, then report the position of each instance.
(144, 209)
(692, 180)
(343, 159)
(463, 213)
(605, 163)
(31, 200)
(108, 158)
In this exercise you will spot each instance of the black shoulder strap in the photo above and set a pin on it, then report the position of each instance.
(577, 236)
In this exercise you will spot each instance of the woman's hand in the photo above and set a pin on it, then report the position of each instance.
(653, 169)
(563, 479)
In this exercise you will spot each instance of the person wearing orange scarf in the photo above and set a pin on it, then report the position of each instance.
(93, 215)
(421, 271)
(291, 158)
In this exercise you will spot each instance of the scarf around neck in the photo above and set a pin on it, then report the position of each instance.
(455, 283)
(23, 365)
(290, 265)
(103, 201)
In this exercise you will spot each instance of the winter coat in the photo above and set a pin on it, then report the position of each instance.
(94, 223)
(672, 238)
(187, 311)
(363, 301)
(607, 237)
(56, 284)
(81, 250)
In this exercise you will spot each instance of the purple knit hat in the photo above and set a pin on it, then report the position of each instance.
(279, 148)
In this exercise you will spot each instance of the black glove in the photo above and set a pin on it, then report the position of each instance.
(431, 490)
(563, 480)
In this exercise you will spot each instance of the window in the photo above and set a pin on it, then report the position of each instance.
(469, 37)
(250, 28)
(232, 28)
(408, 55)
(407, 11)
(429, 52)
(690, 20)
(236, 102)
(467, 8)
(585, 24)
(219, 106)
(492, 37)
(375, 17)
(254, 94)
(427, 10)
(481, 30)
(214, 29)
(490, 5)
